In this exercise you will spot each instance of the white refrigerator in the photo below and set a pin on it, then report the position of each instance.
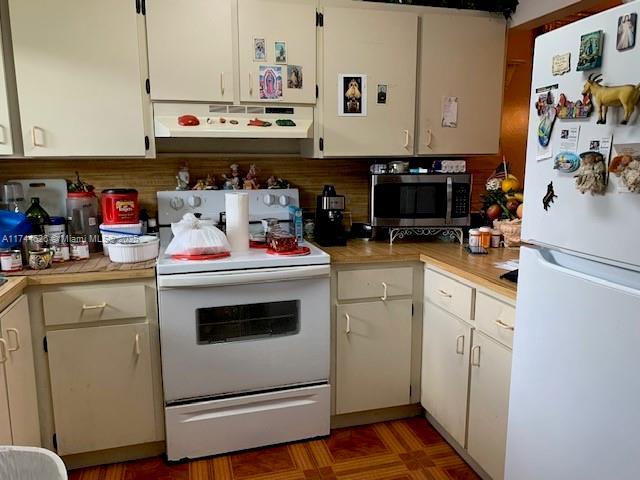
(574, 410)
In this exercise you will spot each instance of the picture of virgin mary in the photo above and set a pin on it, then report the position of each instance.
(270, 82)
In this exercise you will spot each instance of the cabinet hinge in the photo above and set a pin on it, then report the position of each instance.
(146, 142)
(413, 309)
(410, 390)
(45, 345)
(319, 19)
(143, 7)
(55, 441)
(138, 6)
(317, 91)
(147, 86)
(321, 144)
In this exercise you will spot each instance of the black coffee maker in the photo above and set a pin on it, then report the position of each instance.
(329, 230)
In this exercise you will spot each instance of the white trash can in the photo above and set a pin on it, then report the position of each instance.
(30, 463)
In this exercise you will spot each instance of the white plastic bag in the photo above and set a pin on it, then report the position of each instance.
(192, 236)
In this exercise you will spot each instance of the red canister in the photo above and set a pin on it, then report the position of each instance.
(120, 205)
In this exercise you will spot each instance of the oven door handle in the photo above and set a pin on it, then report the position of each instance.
(221, 279)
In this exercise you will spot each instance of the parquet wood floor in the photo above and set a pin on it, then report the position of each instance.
(407, 449)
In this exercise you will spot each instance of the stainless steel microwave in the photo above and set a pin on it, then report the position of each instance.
(421, 200)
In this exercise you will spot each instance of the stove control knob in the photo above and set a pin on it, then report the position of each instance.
(269, 199)
(194, 201)
(283, 200)
(176, 203)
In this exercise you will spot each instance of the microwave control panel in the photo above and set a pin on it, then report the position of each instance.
(460, 207)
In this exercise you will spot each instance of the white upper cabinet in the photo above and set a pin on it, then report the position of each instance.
(463, 56)
(191, 50)
(6, 143)
(264, 25)
(377, 49)
(80, 77)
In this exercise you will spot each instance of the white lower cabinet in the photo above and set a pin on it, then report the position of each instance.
(445, 369)
(489, 404)
(19, 421)
(101, 384)
(466, 367)
(373, 368)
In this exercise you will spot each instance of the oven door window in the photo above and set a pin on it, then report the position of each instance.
(420, 200)
(247, 322)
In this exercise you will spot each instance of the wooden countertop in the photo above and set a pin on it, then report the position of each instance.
(11, 290)
(96, 269)
(451, 257)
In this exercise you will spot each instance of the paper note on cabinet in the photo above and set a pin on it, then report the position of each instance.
(450, 112)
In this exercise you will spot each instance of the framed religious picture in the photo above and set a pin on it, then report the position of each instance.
(294, 76)
(626, 38)
(590, 56)
(259, 50)
(270, 82)
(281, 52)
(352, 95)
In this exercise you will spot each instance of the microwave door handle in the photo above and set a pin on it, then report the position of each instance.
(449, 199)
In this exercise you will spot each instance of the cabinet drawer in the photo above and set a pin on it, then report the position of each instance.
(355, 284)
(94, 304)
(495, 318)
(449, 294)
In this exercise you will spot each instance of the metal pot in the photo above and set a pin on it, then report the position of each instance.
(398, 166)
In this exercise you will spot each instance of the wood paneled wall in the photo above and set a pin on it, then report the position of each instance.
(350, 176)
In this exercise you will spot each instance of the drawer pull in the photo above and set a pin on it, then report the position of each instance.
(384, 294)
(16, 334)
(250, 84)
(137, 342)
(406, 139)
(4, 349)
(94, 307)
(475, 363)
(501, 324)
(37, 137)
(348, 329)
(445, 294)
(222, 83)
(460, 345)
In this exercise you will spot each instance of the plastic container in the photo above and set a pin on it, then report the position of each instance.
(55, 230)
(134, 249)
(474, 237)
(82, 215)
(485, 237)
(113, 233)
(496, 238)
(120, 206)
(10, 260)
(13, 226)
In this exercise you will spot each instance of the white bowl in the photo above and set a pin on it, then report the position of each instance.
(134, 249)
(112, 233)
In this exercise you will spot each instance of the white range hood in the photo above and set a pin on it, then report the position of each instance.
(211, 118)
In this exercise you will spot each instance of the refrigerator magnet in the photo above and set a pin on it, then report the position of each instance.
(549, 197)
(627, 168)
(568, 110)
(592, 174)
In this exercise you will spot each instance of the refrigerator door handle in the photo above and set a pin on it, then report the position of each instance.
(546, 260)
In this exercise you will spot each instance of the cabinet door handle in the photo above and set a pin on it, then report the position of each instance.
(3, 135)
(4, 349)
(222, 83)
(429, 138)
(16, 334)
(384, 292)
(348, 329)
(37, 137)
(473, 356)
(137, 342)
(444, 293)
(250, 84)
(94, 307)
(406, 139)
(501, 324)
(460, 345)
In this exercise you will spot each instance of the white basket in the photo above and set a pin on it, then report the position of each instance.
(29, 463)
(112, 233)
(134, 249)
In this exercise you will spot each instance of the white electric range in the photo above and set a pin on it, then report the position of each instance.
(245, 339)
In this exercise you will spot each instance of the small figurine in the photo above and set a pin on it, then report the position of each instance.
(210, 183)
(188, 121)
(628, 169)
(592, 174)
(549, 197)
(625, 96)
(183, 177)
(233, 121)
(222, 120)
(251, 180)
(274, 182)
(256, 122)
(199, 185)
(285, 122)
(234, 181)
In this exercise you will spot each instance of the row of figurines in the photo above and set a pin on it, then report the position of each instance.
(232, 181)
